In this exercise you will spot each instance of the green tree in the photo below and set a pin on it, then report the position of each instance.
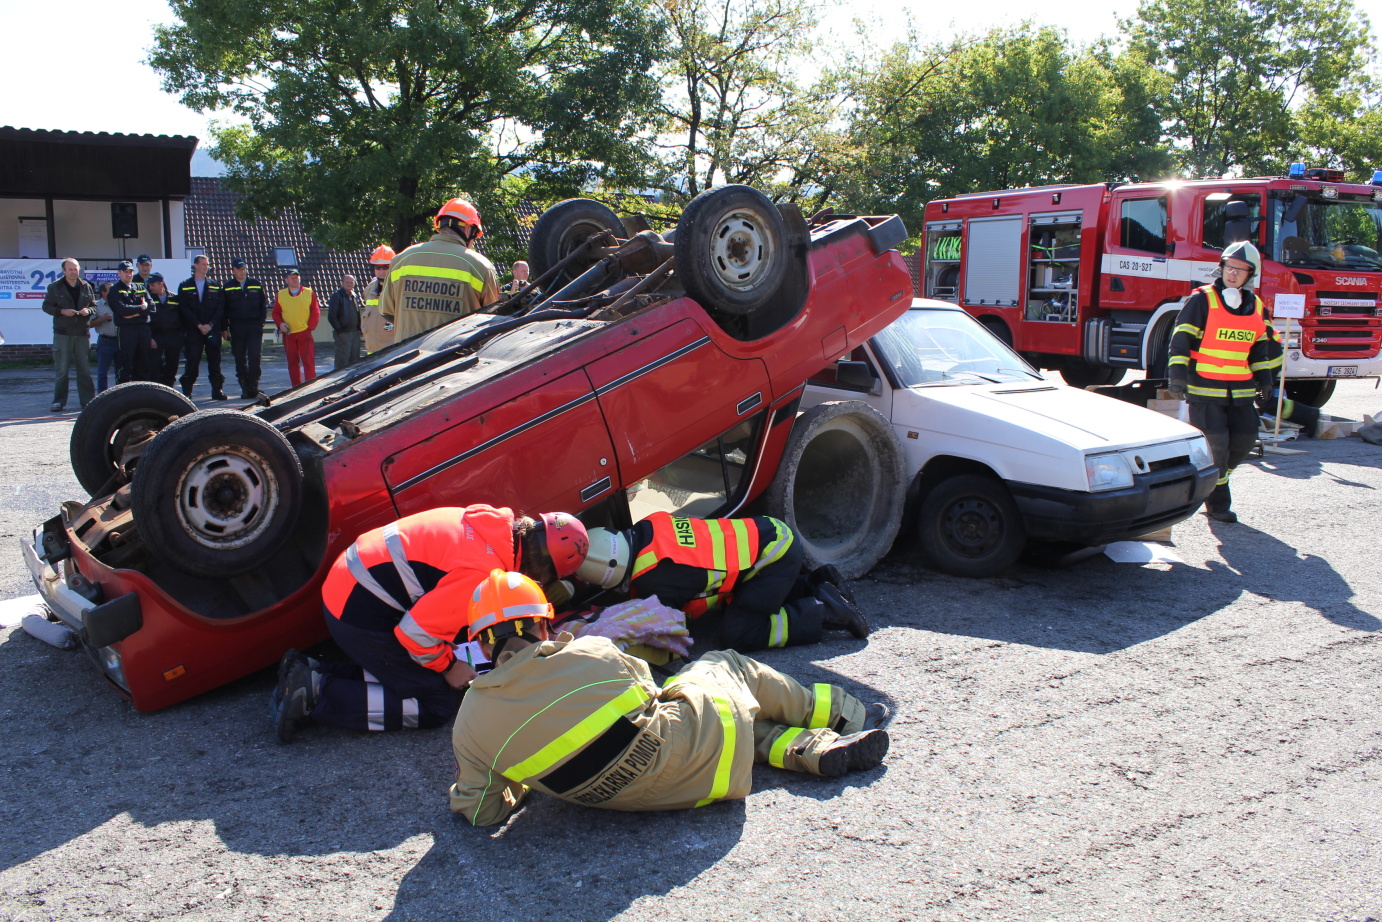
(368, 114)
(733, 110)
(1236, 71)
(1341, 130)
(1016, 107)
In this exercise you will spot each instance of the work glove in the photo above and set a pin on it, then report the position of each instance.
(1177, 388)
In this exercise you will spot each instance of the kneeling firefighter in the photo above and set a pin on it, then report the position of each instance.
(397, 599)
(750, 566)
(1223, 352)
(578, 719)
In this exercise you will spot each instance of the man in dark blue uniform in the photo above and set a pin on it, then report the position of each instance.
(246, 309)
(202, 304)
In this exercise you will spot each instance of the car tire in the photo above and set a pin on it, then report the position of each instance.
(969, 525)
(1081, 374)
(841, 486)
(1313, 392)
(562, 228)
(113, 419)
(257, 481)
(731, 250)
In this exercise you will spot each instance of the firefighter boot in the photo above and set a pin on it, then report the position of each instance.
(1217, 506)
(829, 573)
(856, 752)
(294, 697)
(839, 613)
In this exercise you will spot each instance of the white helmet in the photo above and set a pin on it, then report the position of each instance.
(1244, 252)
(607, 560)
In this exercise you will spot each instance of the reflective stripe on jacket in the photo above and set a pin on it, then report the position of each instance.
(1227, 340)
(435, 282)
(1219, 352)
(580, 720)
(723, 548)
(435, 559)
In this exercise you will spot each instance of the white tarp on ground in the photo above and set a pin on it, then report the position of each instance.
(23, 282)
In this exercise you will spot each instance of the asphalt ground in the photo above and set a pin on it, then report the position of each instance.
(1188, 741)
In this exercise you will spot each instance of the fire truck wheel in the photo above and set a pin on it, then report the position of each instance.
(731, 250)
(1313, 393)
(217, 493)
(565, 227)
(841, 486)
(1081, 374)
(969, 526)
(115, 419)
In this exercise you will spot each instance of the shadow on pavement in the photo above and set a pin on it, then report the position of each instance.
(1260, 563)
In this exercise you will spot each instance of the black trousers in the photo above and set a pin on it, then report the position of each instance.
(1231, 432)
(170, 347)
(194, 344)
(384, 689)
(136, 356)
(246, 341)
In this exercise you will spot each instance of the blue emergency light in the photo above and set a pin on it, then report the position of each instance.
(1297, 171)
(1377, 177)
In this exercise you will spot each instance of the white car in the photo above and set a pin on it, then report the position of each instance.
(997, 455)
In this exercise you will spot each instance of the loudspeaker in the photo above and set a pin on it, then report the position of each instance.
(124, 219)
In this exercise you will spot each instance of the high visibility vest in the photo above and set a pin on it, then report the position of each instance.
(1227, 340)
(724, 548)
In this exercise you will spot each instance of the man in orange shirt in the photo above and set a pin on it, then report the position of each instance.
(296, 313)
(398, 599)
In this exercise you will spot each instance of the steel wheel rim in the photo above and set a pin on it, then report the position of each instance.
(972, 526)
(742, 252)
(226, 497)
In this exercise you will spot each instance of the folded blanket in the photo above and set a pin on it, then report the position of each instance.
(639, 621)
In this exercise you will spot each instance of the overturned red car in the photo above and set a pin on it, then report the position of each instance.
(642, 371)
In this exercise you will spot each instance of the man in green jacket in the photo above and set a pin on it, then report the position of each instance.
(71, 301)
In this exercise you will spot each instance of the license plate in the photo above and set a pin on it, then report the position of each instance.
(1343, 371)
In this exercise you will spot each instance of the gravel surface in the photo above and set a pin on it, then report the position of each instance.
(1190, 741)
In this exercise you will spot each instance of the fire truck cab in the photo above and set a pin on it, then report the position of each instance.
(1088, 279)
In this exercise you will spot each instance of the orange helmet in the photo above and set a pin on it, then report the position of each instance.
(382, 255)
(503, 605)
(463, 212)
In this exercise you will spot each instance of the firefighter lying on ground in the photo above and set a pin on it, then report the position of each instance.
(751, 567)
(397, 599)
(1224, 350)
(579, 720)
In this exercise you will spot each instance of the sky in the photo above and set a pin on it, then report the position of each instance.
(109, 88)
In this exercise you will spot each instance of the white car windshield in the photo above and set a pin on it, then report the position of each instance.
(931, 347)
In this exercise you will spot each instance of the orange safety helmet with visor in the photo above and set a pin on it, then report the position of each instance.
(507, 605)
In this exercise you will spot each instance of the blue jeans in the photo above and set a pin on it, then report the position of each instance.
(107, 351)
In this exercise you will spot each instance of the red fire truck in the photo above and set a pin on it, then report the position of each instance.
(1088, 279)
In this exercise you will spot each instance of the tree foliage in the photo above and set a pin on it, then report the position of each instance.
(368, 114)
(733, 109)
(1015, 107)
(1237, 71)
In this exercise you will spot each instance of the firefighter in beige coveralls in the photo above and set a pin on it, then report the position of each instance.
(582, 721)
(441, 279)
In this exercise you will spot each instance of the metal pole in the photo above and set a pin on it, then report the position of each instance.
(1281, 385)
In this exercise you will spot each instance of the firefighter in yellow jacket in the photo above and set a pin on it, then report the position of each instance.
(1223, 352)
(374, 329)
(752, 568)
(441, 279)
(581, 721)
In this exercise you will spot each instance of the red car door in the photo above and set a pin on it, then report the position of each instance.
(670, 390)
(540, 451)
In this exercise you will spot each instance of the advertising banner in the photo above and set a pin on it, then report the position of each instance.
(23, 283)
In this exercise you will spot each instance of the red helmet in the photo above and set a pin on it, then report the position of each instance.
(382, 255)
(566, 540)
(462, 211)
(504, 604)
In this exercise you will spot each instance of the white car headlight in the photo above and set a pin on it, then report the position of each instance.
(1107, 472)
(1200, 455)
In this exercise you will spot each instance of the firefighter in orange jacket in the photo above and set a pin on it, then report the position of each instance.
(579, 720)
(397, 600)
(1223, 352)
(753, 567)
